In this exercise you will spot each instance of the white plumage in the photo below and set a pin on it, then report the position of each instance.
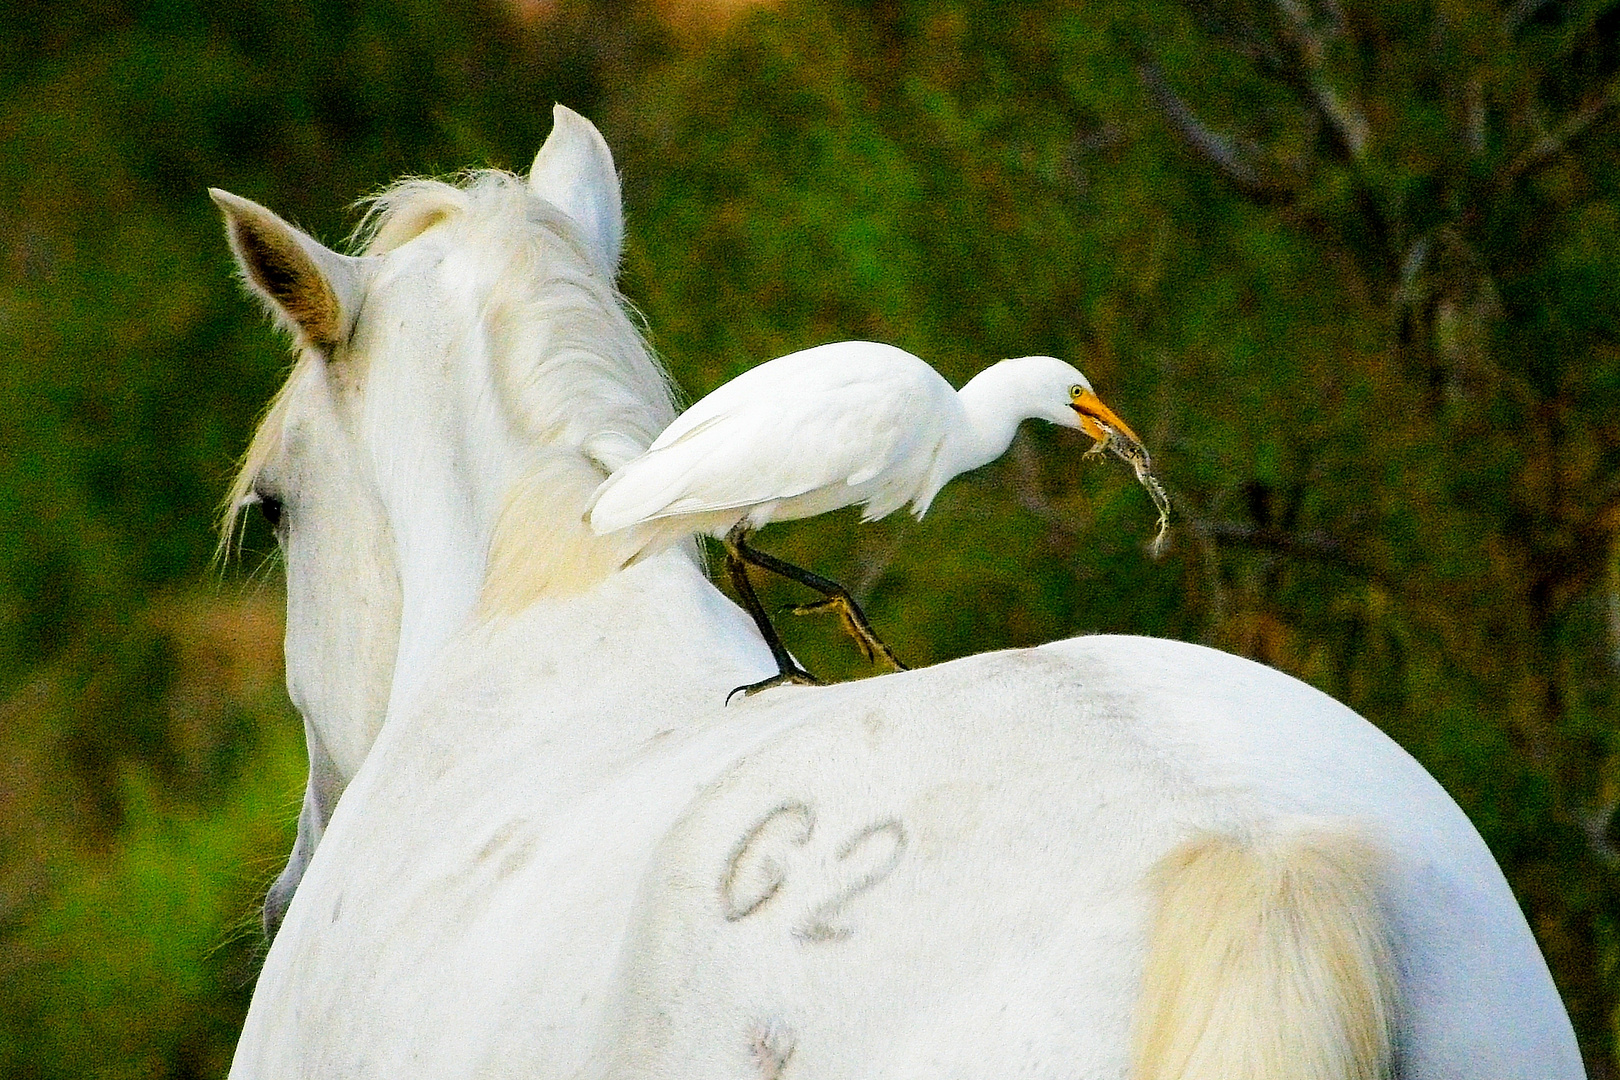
(855, 423)
(852, 423)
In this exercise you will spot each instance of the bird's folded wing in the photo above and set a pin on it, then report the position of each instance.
(794, 442)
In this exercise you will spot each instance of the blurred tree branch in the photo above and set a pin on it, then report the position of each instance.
(1215, 149)
(1550, 144)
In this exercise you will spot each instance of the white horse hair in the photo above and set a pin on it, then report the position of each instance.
(576, 382)
(556, 854)
(1288, 922)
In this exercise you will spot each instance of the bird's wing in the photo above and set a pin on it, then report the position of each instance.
(779, 431)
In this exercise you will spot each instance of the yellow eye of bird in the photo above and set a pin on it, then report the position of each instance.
(1076, 390)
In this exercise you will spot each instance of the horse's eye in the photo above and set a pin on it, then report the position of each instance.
(270, 507)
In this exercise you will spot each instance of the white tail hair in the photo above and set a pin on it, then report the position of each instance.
(1269, 958)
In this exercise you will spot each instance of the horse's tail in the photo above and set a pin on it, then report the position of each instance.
(1268, 958)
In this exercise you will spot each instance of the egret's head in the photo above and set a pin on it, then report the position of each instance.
(1067, 399)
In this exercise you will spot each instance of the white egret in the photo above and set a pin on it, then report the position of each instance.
(854, 423)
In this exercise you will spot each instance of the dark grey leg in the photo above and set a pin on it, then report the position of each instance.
(838, 600)
(788, 671)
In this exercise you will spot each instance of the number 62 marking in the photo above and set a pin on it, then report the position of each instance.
(755, 871)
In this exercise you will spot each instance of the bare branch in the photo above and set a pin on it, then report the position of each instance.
(1474, 115)
(1213, 148)
(1520, 13)
(1315, 544)
(1030, 485)
(1551, 144)
(1296, 59)
(1296, 55)
(1346, 121)
(1335, 15)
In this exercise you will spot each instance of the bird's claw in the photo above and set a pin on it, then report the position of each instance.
(797, 677)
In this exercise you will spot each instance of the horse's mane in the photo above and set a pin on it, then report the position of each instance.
(573, 372)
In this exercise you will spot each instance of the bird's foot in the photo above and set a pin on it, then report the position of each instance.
(829, 604)
(855, 625)
(797, 676)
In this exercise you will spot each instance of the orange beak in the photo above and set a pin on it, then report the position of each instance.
(1097, 420)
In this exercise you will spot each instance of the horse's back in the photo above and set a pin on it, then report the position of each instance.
(928, 875)
(949, 872)
(944, 871)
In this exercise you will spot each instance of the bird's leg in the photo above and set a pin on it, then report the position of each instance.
(788, 670)
(838, 599)
(851, 627)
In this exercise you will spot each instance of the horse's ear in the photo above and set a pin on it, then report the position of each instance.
(574, 171)
(311, 290)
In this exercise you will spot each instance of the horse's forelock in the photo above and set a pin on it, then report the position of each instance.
(403, 211)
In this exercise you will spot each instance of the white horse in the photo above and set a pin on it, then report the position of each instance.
(560, 856)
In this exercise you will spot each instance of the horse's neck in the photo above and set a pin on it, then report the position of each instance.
(661, 622)
(439, 593)
(443, 509)
(638, 655)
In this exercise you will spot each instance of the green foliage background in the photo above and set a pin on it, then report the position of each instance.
(1349, 268)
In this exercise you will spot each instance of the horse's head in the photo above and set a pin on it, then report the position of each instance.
(461, 387)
